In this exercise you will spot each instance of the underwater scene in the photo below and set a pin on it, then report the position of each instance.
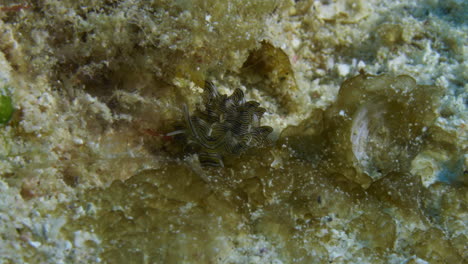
(234, 131)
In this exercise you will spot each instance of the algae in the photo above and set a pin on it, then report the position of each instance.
(88, 173)
(376, 126)
(6, 105)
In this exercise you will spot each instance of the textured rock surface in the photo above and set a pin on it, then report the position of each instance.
(363, 170)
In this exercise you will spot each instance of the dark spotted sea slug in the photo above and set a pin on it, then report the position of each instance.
(226, 126)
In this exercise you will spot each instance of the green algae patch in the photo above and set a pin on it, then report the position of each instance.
(6, 105)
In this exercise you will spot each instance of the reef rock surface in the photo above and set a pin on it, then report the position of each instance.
(360, 156)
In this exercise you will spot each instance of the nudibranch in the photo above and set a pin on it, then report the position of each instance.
(227, 126)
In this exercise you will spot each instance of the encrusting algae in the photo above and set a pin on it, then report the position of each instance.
(233, 132)
(316, 192)
(378, 124)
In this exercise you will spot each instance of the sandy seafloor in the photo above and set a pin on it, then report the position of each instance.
(87, 174)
